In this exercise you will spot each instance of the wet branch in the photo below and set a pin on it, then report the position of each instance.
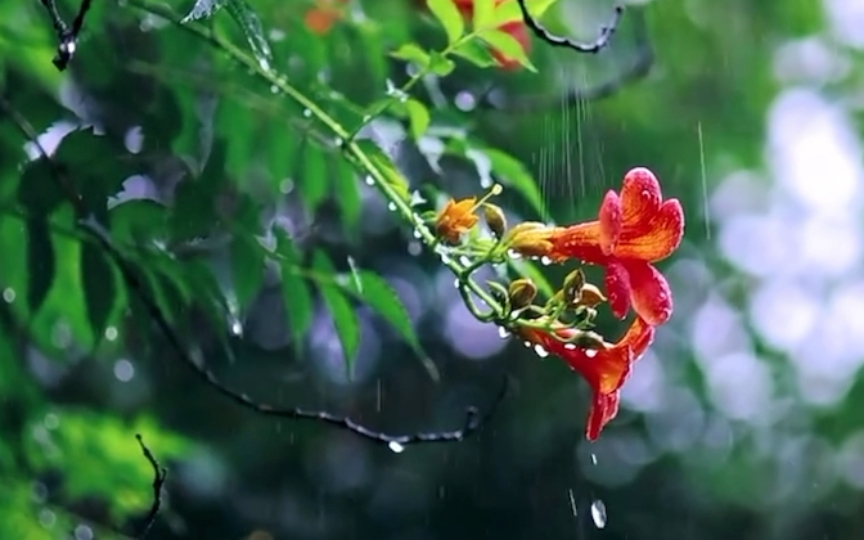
(95, 230)
(560, 41)
(160, 474)
(67, 36)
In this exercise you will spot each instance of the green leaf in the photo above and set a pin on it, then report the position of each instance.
(250, 23)
(295, 293)
(247, 267)
(375, 292)
(511, 172)
(509, 46)
(203, 9)
(348, 195)
(388, 169)
(344, 318)
(412, 53)
(41, 262)
(441, 65)
(14, 272)
(476, 53)
(484, 14)
(449, 17)
(138, 221)
(314, 182)
(100, 288)
(418, 117)
(61, 320)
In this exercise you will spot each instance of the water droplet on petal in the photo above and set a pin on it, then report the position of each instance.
(396, 447)
(527, 344)
(540, 351)
(546, 261)
(598, 513)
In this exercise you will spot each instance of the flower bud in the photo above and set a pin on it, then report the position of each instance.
(494, 217)
(590, 296)
(522, 292)
(573, 284)
(530, 239)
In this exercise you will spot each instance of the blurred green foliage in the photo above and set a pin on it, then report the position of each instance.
(212, 140)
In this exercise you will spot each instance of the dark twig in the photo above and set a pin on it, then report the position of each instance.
(560, 41)
(636, 69)
(160, 474)
(90, 225)
(67, 37)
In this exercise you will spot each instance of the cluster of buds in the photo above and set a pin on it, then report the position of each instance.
(635, 228)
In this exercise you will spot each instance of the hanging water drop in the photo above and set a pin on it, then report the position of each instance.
(417, 234)
(236, 328)
(396, 447)
(370, 181)
(445, 259)
(391, 206)
(464, 261)
(307, 113)
(540, 351)
(338, 142)
(503, 332)
(545, 261)
(8, 295)
(514, 255)
(274, 89)
(598, 513)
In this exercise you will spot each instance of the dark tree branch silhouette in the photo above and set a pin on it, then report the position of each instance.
(160, 474)
(67, 37)
(560, 41)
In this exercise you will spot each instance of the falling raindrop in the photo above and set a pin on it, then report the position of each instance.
(598, 513)
(236, 328)
(503, 332)
(9, 295)
(540, 351)
(396, 447)
(594, 458)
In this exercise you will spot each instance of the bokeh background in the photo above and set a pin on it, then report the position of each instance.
(744, 420)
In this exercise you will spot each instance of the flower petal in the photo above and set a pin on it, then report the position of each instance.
(581, 241)
(655, 238)
(610, 222)
(638, 338)
(640, 196)
(604, 408)
(618, 285)
(649, 293)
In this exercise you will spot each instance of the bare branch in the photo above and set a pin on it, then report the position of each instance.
(160, 474)
(67, 37)
(559, 41)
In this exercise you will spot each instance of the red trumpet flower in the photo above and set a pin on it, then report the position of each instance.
(634, 229)
(605, 369)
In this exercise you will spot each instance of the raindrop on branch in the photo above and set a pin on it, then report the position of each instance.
(396, 447)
